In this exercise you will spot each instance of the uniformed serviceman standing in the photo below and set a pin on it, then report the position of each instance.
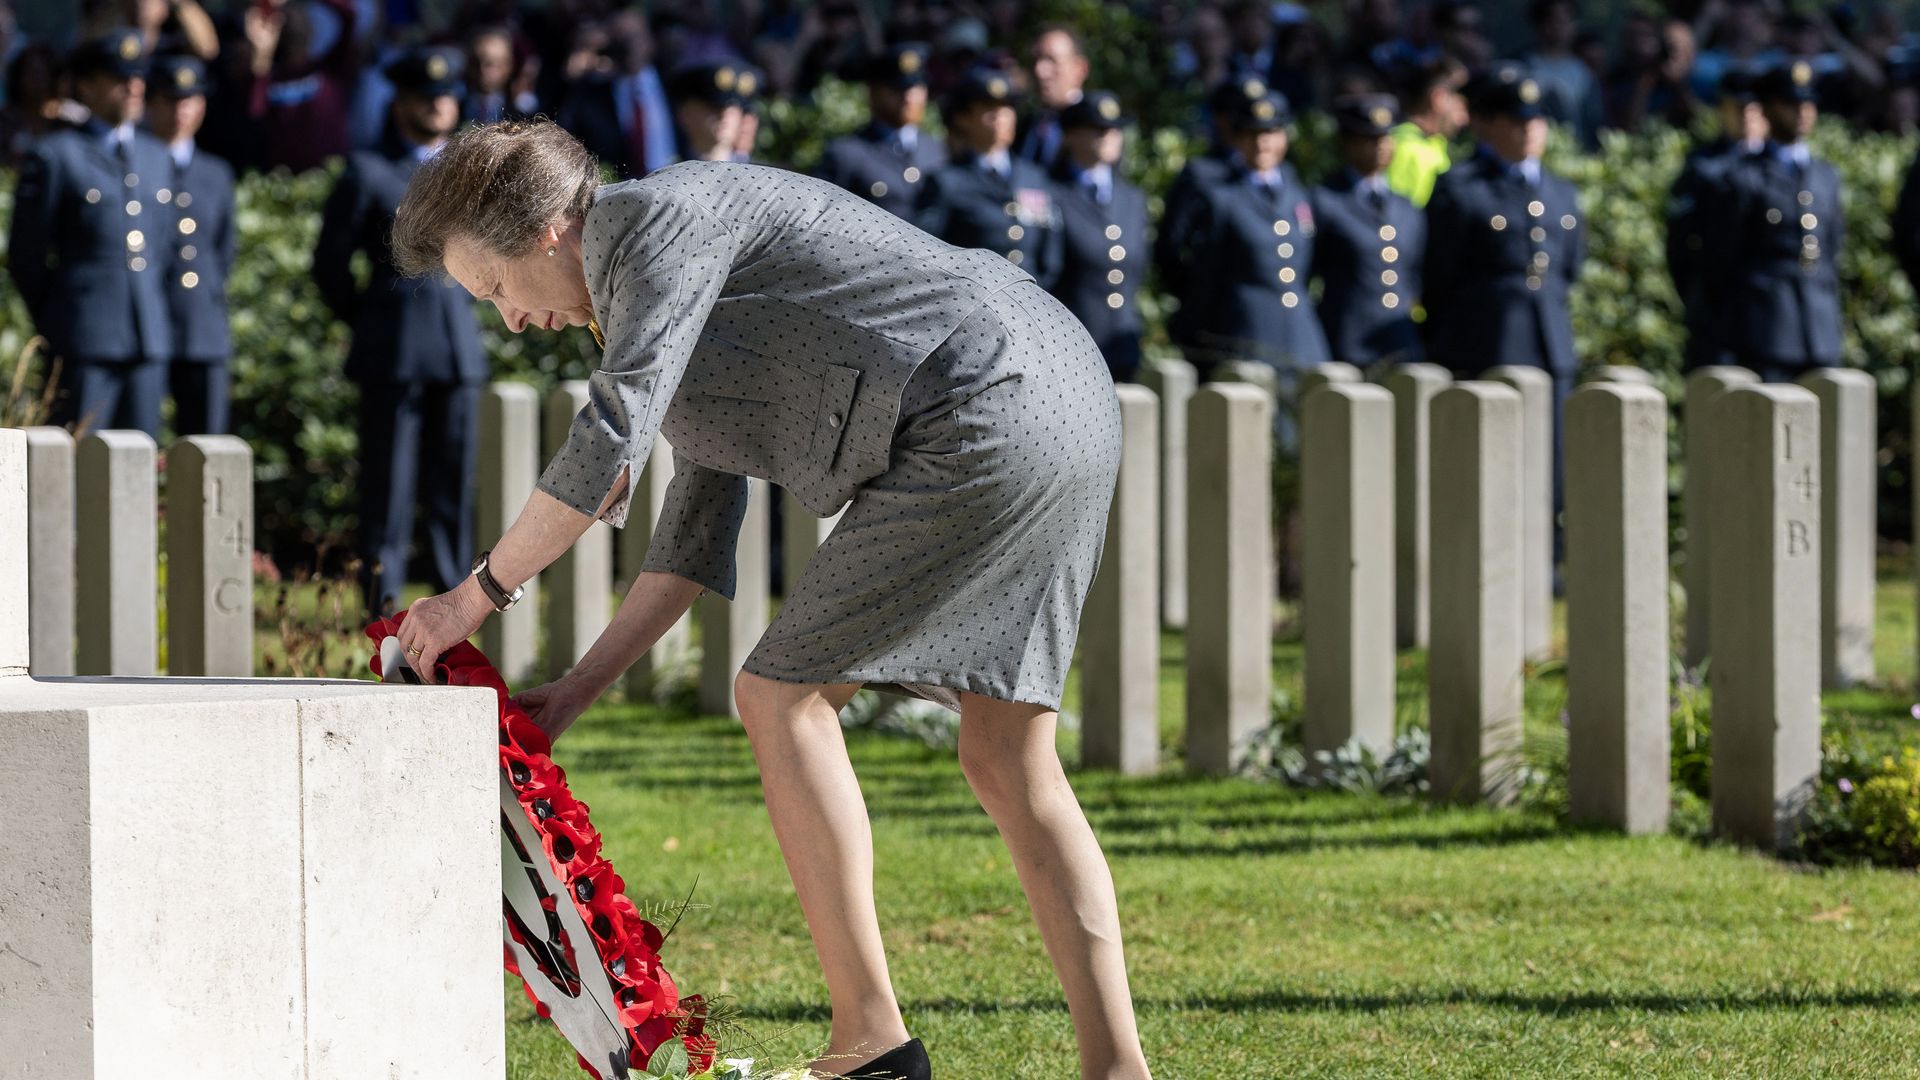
(1697, 274)
(1252, 246)
(708, 104)
(888, 160)
(985, 197)
(1370, 242)
(201, 192)
(1103, 221)
(90, 251)
(1505, 242)
(1173, 239)
(1778, 232)
(416, 348)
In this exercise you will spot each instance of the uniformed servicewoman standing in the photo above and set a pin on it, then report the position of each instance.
(1186, 196)
(888, 160)
(416, 347)
(708, 102)
(90, 249)
(985, 197)
(1103, 221)
(1778, 232)
(201, 186)
(1246, 266)
(1697, 274)
(1505, 242)
(1370, 242)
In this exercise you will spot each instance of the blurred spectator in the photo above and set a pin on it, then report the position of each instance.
(1435, 110)
(300, 79)
(752, 85)
(1204, 54)
(1368, 242)
(707, 101)
(888, 160)
(33, 101)
(1183, 208)
(1569, 91)
(163, 25)
(1300, 52)
(1251, 23)
(1060, 72)
(834, 34)
(1103, 221)
(985, 197)
(1697, 272)
(497, 88)
(616, 103)
(1651, 81)
(1457, 24)
(1735, 33)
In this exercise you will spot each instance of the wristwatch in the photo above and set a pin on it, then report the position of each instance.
(500, 598)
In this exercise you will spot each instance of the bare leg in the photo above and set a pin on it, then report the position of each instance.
(820, 820)
(1007, 753)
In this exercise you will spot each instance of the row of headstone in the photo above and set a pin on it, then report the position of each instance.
(91, 536)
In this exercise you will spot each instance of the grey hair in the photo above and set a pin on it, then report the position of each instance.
(496, 186)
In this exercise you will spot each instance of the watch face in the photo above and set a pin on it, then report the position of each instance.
(478, 561)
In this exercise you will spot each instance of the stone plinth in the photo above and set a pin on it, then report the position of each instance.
(1346, 465)
(1120, 628)
(1413, 387)
(1475, 667)
(1764, 620)
(246, 879)
(1619, 737)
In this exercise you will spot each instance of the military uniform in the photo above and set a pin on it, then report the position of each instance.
(416, 356)
(1004, 205)
(1248, 260)
(90, 251)
(1777, 230)
(1182, 205)
(1367, 254)
(198, 378)
(1103, 223)
(886, 165)
(715, 85)
(1697, 277)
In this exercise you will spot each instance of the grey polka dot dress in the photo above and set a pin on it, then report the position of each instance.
(771, 325)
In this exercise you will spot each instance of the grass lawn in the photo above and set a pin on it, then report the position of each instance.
(1272, 933)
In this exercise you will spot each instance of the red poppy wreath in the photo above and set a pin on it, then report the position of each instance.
(616, 1004)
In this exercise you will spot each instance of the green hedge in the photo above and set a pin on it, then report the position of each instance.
(293, 405)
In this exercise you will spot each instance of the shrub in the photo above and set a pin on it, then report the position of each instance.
(1886, 811)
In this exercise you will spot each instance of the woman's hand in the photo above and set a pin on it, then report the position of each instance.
(554, 706)
(435, 624)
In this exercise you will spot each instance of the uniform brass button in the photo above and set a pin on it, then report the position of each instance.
(1567, 221)
(1387, 232)
(1015, 232)
(1498, 223)
(1773, 215)
(1536, 208)
(137, 263)
(1116, 301)
(164, 195)
(1389, 254)
(1809, 241)
(1533, 282)
(1282, 228)
(1286, 274)
(911, 175)
(184, 200)
(1805, 198)
(133, 179)
(186, 226)
(1808, 221)
(879, 189)
(1011, 208)
(833, 420)
(1116, 253)
(1113, 232)
(1540, 259)
(136, 240)
(1016, 257)
(1285, 251)
(1290, 300)
(1115, 276)
(189, 252)
(1537, 234)
(133, 207)
(189, 279)
(93, 195)
(1389, 277)
(1390, 301)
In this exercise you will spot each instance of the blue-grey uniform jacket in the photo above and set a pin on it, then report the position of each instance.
(404, 329)
(1173, 239)
(1777, 234)
(1247, 279)
(90, 246)
(1013, 216)
(766, 322)
(203, 259)
(1502, 255)
(871, 164)
(1106, 256)
(1367, 254)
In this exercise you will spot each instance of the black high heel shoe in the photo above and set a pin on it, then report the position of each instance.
(908, 1061)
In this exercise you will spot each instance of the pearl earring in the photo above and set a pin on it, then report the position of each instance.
(553, 251)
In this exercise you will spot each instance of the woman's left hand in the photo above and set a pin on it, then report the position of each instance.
(435, 624)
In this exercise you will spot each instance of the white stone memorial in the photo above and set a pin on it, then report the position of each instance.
(579, 584)
(1120, 628)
